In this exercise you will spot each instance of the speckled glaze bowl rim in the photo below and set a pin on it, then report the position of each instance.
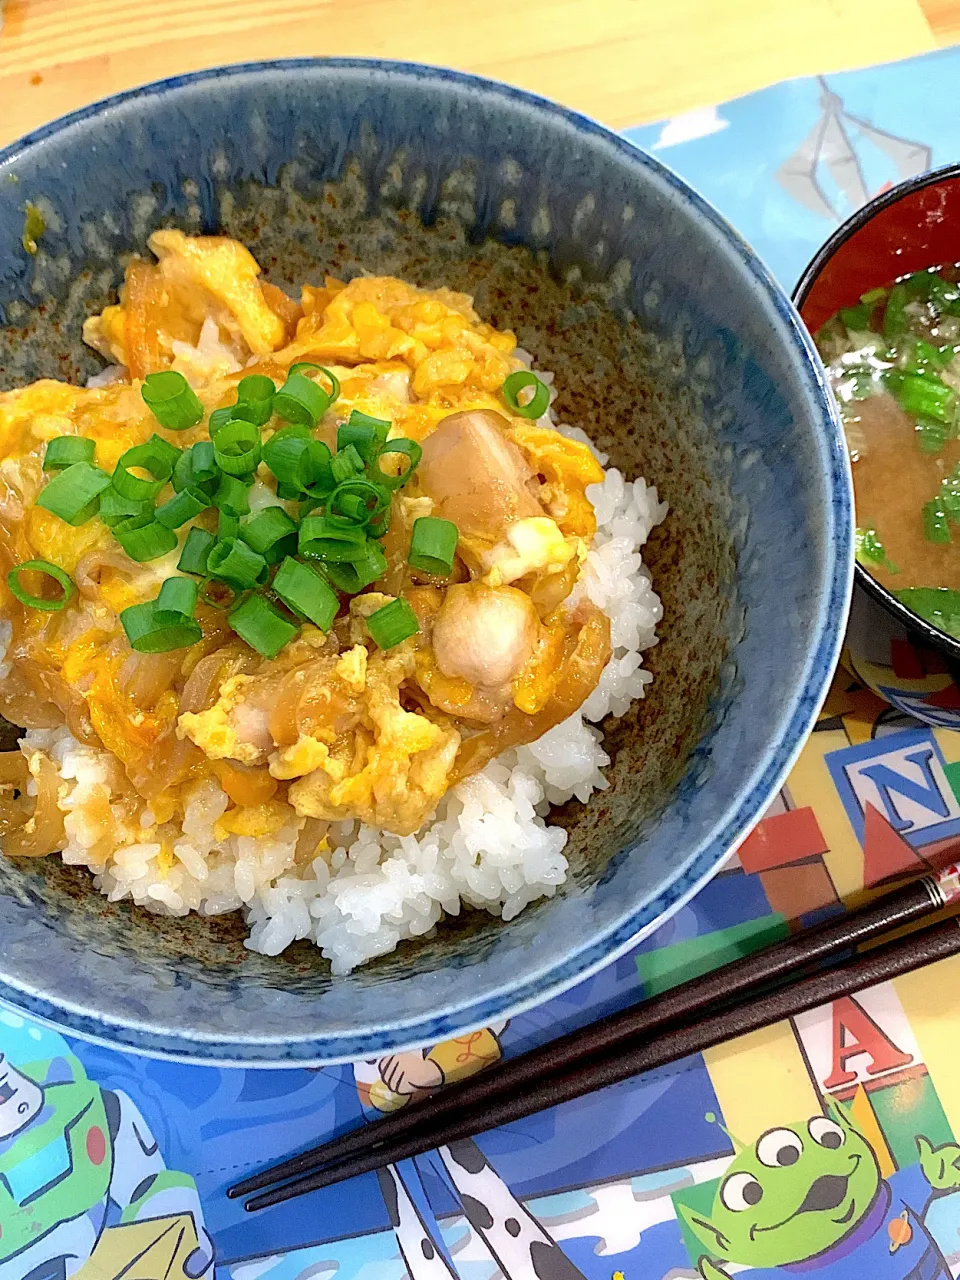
(863, 578)
(770, 769)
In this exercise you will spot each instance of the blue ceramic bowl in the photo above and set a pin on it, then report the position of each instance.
(671, 344)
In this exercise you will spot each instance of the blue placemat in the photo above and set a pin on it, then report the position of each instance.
(116, 1166)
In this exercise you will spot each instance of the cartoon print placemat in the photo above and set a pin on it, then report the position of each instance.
(825, 1147)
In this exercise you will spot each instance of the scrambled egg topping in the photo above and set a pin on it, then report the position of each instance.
(333, 728)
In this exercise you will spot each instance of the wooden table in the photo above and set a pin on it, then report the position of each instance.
(623, 61)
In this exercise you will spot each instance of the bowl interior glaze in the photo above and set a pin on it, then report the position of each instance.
(671, 348)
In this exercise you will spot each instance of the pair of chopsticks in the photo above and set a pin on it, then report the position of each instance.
(777, 982)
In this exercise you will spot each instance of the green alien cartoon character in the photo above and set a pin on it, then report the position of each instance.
(809, 1200)
(84, 1190)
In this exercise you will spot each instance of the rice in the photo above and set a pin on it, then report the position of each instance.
(489, 846)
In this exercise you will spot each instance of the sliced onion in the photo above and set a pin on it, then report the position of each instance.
(43, 832)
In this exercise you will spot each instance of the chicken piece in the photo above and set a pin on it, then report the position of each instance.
(485, 635)
(478, 479)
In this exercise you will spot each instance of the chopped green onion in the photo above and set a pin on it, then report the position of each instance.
(368, 435)
(241, 410)
(272, 534)
(284, 452)
(233, 562)
(358, 501)
(178, 595)
(183, 506)
(196, 468)
(857, 319)
(290, 493)
(305, 366)
(324, 539)
(237, 447)
(304, 591)
(74, 494)
(49, 570)
(316, 470)
(256, 392)
(402, 448)
(873, 296)
(64, 451)
(895, 315)
(262, 625)
(950, 499)
(392, 624)
(345, 463)
(171, 400)
(932, 435)
(939, 605)
(925, 396)
(231, 496)
(228, 526)
(301, 401)
(153, 630)
(114, 508)
(156, 457)
(433, 544)
(193, 557)
(870, 550)
(357, 574)
(148, 542)
(935, 527)
(538, 403)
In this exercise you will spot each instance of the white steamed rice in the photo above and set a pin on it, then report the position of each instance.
(489, 845)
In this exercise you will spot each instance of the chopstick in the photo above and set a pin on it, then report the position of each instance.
(608, 1050)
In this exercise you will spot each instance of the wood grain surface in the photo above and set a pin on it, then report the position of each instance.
(622, 61)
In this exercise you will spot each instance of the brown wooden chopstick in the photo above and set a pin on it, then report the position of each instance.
(630, 1058)
(530, 1075)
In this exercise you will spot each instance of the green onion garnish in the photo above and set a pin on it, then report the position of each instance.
(301, 401)
(284, 451)
(935, 527)
(196, 467)
(895, 316)
(64, 451)
(220, 417)
(256, 392)
(233, 562)
(156, 457)
(171, 400)
(74, 494)
(324, 539)
(231, 496)
(114, 508)
(353, 576)
(368, 435)
(924, 396)
(178, 595)
(262, 625)
(148, 542)
(316, 470)
(932, 435)
(63, 581)
(228, 526)
(405, 449)
(433, 545)
(392, 624)
(193, 557)
(537, 405)
(153, 630)
(304, 591)
(305, 366)
(346, 462)
(183, 506)
(358, 501)
(272, 534)
(237, 447)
